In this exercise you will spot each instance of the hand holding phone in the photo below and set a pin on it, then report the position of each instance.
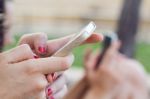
(76, 40)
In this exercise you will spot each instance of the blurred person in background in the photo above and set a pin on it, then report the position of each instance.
(8, 22)
(128, 26)
(6, 11)
(2, 13)
(117, 77)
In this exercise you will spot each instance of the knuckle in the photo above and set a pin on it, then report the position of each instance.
(41, 35)
(29, 67)
(40, 85)
(27, 49)
(24, 37)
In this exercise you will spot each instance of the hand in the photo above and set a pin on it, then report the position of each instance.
(58, 89)
(116, 78)
(23, 77)
(39, 44)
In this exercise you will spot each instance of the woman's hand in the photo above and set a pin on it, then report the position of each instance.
(58, 89)
(116, 78)
(23, 77)
(43, 48)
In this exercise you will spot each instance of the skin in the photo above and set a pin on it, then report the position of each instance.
(23, 77)
(51, 46)
(37, 40)
(26, 75)
(116, 78)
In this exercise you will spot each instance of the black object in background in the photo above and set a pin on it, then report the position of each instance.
(106, 43)
(128, 26)
(2, 14)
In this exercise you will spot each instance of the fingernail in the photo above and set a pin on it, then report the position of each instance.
(51, 97)
(49, 91)
(35, 56)
(42, 49)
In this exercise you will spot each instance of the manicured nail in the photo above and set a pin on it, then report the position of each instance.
(51, 97)
(42, 49)
(35, 56)
(49, 91)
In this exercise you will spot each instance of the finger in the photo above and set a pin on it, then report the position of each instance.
(114, 46)
(86, 58)
(60, 94)
(108, 79)
(90, 64)
(54, 45)
(95, 37)
(20, 53)
(52, 77)
(49, 78)
(124, 92)
(57, 85)
(37, 42)
(87, 54)
(47, 65)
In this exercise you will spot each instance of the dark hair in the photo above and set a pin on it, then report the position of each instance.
(128, 26)
(2, 11)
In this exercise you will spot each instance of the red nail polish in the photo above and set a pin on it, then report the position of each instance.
(35, 56)
(42, 49)
(51, 97)
(49, 92)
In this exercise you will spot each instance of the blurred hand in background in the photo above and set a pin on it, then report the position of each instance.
(116, 78)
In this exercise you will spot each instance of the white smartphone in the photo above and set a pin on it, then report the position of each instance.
(76, 40)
